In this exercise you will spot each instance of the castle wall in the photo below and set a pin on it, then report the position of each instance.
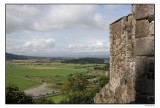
(131, 59)
(144, 53)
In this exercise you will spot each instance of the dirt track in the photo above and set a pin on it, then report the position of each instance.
(40, 90)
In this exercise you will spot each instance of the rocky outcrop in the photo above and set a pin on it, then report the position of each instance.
(131, 59)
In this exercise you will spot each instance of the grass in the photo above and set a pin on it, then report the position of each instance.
(56, 99)
(21, 83)
(26, 75)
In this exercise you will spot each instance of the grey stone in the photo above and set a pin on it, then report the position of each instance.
(151, 29)
(143, 10)
(131, 59)
(142, 28)
(150, 65)
(145, 86)
(141, 67)
(144, 46)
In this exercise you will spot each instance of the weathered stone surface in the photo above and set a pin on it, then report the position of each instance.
(141, 67)
(150, 64)
(144, 46)
(145, 86)
(150, 68)
(142, 28)
(143, 10)
(131, 59)
(151, 29)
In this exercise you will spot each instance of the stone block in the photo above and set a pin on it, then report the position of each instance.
(145, 86)
(144, 67)
(150, 68)
(141, 67)
(142, 28)
(144, 46)
(143, 10)
(150, 65)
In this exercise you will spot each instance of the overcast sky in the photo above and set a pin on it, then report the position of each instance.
(61, 30)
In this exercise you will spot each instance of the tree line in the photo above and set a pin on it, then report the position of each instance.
(85, 61)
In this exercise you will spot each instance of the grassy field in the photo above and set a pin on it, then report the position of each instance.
(56, 99)
(26, 75)
(20, 82)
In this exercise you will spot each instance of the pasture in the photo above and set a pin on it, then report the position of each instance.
(27, 75)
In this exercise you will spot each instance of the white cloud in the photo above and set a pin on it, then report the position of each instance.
(40, 43)
(99, 20)
(93, 47)
(33, 18)
(34, 45)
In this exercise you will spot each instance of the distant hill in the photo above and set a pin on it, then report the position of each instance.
(10, 56)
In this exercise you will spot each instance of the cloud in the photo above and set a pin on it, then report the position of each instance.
(34, 45)
(93, 47)
(20, 17)
(37, 18)
(39, 43)
(111, 7)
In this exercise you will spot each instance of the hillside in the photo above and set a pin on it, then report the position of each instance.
(10, 56)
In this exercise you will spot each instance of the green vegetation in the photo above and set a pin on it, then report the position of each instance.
(74, 79)
(15, 96)
(20, 82)
(43, 101)
(103, 80)
(57, 98)
(78, 90)
(26, 75)
(85, 61)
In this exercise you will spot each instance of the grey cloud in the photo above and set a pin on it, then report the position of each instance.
(33, 18)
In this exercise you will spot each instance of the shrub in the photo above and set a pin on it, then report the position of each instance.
(103, 80)
(15, 96)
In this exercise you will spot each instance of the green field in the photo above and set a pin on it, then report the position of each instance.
(21, 83)
(26, 75)
(29, 74)
(56, 99)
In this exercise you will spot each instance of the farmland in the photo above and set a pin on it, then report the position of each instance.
(27, 75)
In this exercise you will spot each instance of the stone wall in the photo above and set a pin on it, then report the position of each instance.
(131, 59)
(144, 53)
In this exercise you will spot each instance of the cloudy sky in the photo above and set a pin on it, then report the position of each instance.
(61, 30)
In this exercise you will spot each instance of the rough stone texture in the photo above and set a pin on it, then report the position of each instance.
(151, 29)
(144, 53)
(144, 46)
(142, 11)
(131, 59)
(142, 28)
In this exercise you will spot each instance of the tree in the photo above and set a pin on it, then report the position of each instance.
(75, 83)
(103, 80)
(15, 96)
(77, 91)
